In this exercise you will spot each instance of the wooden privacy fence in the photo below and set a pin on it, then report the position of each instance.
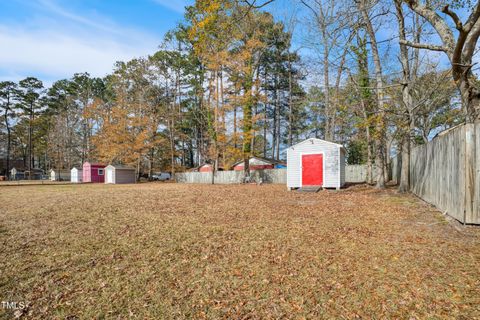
(446, 172)
(356, 173)
(353, 174)
(231, 177)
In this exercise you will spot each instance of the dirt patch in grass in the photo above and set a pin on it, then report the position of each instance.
(178, 251)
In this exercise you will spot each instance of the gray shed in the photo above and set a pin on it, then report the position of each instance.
(316, 162)
(117, 174)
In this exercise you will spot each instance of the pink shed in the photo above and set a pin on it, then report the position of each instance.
(93, 172)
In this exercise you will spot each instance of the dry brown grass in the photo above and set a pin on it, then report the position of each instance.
(233, 252)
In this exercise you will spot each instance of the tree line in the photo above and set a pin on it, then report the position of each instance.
(229, 82)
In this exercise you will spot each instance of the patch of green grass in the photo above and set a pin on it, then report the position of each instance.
(440, 218)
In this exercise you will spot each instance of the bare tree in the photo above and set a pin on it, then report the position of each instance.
(404, 184)
(329, 19)
(380, 122)
(8, 90)
(459, 44)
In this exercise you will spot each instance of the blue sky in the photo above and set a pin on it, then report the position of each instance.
(52, 39)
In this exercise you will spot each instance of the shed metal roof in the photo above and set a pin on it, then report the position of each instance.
(120, 167)
(93, 164)
(272, 161)
(315, 139)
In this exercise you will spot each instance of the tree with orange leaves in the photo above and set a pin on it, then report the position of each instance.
(128, 125)
(230, 35)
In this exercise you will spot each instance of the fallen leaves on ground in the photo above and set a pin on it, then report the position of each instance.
(234, 252)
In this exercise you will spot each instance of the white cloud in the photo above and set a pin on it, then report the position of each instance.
(60, 54)
(58, 10)
(57, 44)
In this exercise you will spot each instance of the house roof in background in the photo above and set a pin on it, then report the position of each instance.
(271, 161)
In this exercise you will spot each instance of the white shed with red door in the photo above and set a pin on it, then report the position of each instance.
(315, 162)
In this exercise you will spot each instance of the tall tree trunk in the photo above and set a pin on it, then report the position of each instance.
(274, 126)
(265, 124)
(380, 123)
(224, 124)
(172, 147)
(217, 120)
(265, 116)
(326, 80)
(274, 120)
(404, 183)
(150, 164)
(30, 147)
(290, 104)
(470, 97)
(247, 129)
(235, 140)
(216, 112)
(9, 139)
(368, 137)
(278, 133)
(254, 134)
(172, 122)
(247, 125)
(338, 80)
(387, 159)
(255, 113)
(363, 92)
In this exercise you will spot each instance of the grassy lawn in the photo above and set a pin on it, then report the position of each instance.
(236, 252)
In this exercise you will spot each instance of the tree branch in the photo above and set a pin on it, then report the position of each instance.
(454, 16)
(473, 18)
(252, 3)
(423, 46)
(438, 24)
(471, 41)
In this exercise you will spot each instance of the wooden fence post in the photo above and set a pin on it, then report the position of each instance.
(470, 167)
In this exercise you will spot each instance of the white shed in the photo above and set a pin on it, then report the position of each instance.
(76, 175)
(16, 174)
(120, 174)
(316, 162)
(60, 175)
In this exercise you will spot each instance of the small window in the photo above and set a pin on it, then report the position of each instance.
(100, 172)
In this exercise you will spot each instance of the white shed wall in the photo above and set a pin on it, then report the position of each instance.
(331, 162)
(342, 167)
(76, 175)
(109, 174)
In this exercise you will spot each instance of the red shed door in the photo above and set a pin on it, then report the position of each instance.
(312, 169)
